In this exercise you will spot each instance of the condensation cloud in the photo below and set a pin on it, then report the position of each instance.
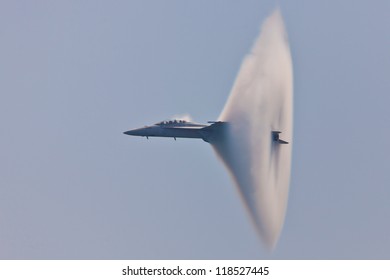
(261, 102)
(186, 117)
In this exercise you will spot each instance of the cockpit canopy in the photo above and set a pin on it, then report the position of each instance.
(171, 122)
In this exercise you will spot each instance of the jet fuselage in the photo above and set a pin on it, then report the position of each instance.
(180, 129)
(215, 131)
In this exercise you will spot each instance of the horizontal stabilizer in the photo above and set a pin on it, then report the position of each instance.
(275, 137)
(282, 142)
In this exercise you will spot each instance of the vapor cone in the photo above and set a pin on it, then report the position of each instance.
(261, 102)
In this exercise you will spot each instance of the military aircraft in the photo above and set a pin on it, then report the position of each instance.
(211, 132)
(180, 129)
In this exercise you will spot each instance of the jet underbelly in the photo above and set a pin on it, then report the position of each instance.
(180, 132)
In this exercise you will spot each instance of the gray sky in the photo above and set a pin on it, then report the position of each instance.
(75, 74)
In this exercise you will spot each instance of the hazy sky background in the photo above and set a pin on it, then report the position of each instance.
(75, 74)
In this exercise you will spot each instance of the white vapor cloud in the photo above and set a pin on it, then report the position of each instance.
(185, 117)
(261, 102)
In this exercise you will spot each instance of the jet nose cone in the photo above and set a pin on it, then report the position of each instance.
(134, 132)
(137, 132)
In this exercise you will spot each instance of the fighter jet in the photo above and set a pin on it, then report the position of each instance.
(211, 132)
(180, 129)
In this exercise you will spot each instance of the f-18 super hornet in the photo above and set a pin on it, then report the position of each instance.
(181, 129)
(247, 134)
(210, 132)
